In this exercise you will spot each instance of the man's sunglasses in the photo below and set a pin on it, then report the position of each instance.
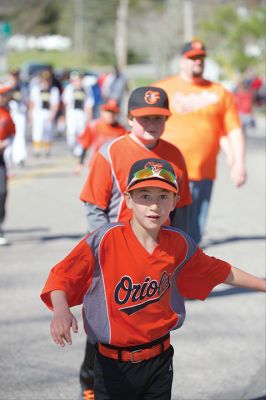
(198, 57)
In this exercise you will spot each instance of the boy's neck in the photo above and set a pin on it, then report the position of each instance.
(148, 239)
(145, 145)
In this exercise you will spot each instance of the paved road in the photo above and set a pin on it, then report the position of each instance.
(220, 350)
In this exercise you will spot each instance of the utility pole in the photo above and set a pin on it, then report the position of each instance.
(78, 25)
(121, 34)
(188, 20)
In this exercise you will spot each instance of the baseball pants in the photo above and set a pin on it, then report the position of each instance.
(86, 374)
(147, 380)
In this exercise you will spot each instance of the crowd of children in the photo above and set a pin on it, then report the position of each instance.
(51, 104)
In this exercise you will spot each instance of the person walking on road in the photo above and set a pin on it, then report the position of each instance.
(148, 110)
(78, 102)
(18, 105)
(203, 114)
(7, 132)
(43, 108)
(99, 131)
(131, 278)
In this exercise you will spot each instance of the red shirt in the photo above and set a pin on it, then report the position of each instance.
(98, 132)
(7, 126)
(130, 296)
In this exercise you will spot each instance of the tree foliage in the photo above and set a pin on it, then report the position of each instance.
(236, 36)
(155, 27)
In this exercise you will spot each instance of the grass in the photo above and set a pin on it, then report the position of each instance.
(58, 59)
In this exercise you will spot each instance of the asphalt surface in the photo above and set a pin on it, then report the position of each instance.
(220, 350)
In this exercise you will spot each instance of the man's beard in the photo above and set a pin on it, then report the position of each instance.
(197, 74)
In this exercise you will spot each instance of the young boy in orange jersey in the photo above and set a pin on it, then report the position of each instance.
(148, 110)
(132, 278)
(99, 131)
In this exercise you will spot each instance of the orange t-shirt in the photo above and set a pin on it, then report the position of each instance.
(109, 170)
(201, 114)
(98, 132)
(130, 296)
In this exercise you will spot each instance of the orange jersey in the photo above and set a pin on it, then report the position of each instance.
(201, 114)
(7, 127)
(130, 296)
(98, 132)
(107, 178)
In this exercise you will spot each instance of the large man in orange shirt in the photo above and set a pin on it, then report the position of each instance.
(203, 113)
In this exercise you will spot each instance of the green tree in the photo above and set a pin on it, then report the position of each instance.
(236, 36)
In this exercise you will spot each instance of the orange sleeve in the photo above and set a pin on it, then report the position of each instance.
(98, 186)
(73, 275)
(201, 274)
(231, 116)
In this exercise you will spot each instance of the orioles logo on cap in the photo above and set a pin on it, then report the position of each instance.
(155, 167)
(151, 97)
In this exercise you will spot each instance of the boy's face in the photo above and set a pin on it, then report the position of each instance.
(148, 129)
(151, 206)
(109, 117)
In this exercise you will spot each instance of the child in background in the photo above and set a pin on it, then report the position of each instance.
(132, 278)
(99, 131)
(7, 132)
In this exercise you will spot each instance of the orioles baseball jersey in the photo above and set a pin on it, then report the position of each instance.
(130, 296)
(201, 114)
(107, 178)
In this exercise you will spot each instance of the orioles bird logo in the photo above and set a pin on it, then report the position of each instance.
(156, 167)
(151, 97)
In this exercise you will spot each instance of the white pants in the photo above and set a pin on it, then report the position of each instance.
(75, 124)
(42, 126)
(19, 150)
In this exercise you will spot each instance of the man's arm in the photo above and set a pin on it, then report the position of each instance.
(62, 320)
(237, 143)
(238, 277)
(180, 218)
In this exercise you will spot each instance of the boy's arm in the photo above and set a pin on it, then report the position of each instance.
(62, 319)
(96, 216)
(238, 277)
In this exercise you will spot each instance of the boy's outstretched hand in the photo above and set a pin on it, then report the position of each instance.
(62, 320)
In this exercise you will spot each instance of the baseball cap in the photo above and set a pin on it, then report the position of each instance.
(110, 105)
(148, 100)
(194, 48)
(152, 172)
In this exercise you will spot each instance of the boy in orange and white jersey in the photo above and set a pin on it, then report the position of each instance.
(132, 278)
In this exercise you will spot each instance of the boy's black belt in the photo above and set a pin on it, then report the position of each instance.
(138, 353)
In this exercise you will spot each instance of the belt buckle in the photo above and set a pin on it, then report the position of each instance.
(132, 357)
